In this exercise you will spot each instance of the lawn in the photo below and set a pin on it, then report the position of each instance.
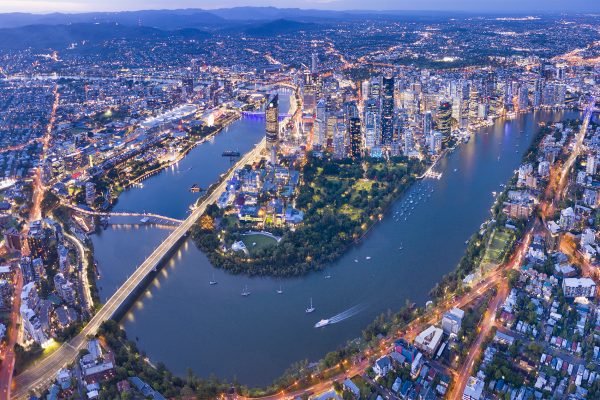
(256, 241)
(497, 246)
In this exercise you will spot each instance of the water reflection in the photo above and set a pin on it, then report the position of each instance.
(213, 329)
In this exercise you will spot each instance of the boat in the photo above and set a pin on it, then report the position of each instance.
(213, 281)
(328, 276)
(280, 290)
(245, 292)
(356, 260)
(310, 308)
(145, 220)
(195, 188)
(368, 257)
(231, 153)
(322, 323)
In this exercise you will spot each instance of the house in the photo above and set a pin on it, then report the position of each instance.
(474, 389)
(382, 366)
(397, 385)
(351, 387)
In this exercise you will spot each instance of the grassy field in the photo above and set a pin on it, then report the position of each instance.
(497, 246)
(255, 242)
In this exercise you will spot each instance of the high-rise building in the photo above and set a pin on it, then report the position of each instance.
(592, 164)
(537, 94)
(387, 111)
(409, 142)
(473, 99)
(444, 119)
(523, 98)
(370, 129)
(508, 96)
(272, 127)
(435, 143)
(339, 141)
(355, 137)
(320, 131)
(427, 124)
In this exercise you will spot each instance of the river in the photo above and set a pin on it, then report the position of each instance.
(184, 322)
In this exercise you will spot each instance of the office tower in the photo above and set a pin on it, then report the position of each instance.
(320, 124)
(272, 127)
(473, 98)
(365, 89)
(537, 93)
(427, 124)
(370, 129)
(508, 96)
(523, 98)
(444, 119)
(339, 141)
(375, 87)
(387, 110)
(355, 137)
(409, 143)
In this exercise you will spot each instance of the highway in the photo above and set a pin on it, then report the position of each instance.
(40, 375)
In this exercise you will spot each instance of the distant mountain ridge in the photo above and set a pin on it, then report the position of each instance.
(279, 27)
(61, 36)
(213, 18)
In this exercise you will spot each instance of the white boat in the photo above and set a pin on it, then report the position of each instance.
(280, 290)
(328, 276)
(311, 308)
(213, 281)
(368, 257)
(245, 292)
(322, 323)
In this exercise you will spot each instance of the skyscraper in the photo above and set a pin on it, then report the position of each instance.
(444, 116)
(320, 131)
(427, 124)
(355, 137)
(387, 110)
(272, 128)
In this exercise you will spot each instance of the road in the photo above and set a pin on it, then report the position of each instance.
(8, 362)
(84, 284)
(40, 375)
(489, 317)
(35, 213)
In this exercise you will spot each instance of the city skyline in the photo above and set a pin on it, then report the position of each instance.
(77, 6)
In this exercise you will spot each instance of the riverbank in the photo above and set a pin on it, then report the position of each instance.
(432, 241)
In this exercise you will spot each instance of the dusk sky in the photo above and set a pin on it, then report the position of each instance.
(44, 6)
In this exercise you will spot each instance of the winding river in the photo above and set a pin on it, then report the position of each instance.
(184, 322)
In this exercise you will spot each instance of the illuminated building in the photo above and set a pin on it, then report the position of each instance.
(355, 137)
(387, 111)
(272, 128)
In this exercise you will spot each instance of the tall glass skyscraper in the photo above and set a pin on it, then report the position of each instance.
(387, 111)
(272, 128)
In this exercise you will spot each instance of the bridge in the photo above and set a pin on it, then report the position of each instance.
(152, 218)
(261, 115)
(40, 375)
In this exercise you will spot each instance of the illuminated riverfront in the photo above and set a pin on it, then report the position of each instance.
(274, 203)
